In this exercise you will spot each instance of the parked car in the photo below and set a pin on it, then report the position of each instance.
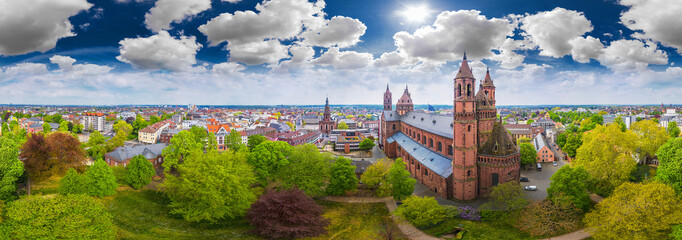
(539, 167)
(554, 163)
(524, 179)
(530, 188)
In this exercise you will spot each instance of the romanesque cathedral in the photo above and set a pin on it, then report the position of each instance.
(458, 156)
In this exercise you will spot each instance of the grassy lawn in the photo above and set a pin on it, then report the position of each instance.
(144, 214)
(358, 221)
(478, 230)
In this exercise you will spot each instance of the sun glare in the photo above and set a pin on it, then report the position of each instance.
(416, 13)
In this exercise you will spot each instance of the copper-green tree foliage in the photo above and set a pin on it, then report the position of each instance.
(180, 147)
(375, 177)
(11, 168)
(308, 170)
(139, 172)
(57, 217)
(650, 136)
(669, 169)
(268, 158)
(528, 154)
(402, 185)
(636, 211)
(421, 211)
(673, 129)
(342, 177)
(606, 153)
(73, 183)
(571, 183)
(211, 186)
(101, 179)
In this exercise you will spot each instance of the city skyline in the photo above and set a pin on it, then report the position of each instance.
(140, 52)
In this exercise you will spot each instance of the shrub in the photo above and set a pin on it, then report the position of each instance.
(422, 212)
(73, 183)
(469, 213)
(451, 211)
(549, 218)
(287, 214)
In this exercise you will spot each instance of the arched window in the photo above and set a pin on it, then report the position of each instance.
(468, 90)
(468, 173)
(496, 179)
(459, 90)
(393, 126)
(449, 149)
(424, 140)
(469, 128)
(430, 142)
(440, 146)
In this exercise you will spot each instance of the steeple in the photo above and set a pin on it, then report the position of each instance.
(326, 104)
(488, 81)
(388, 99)
(405, 104)
(464, 69)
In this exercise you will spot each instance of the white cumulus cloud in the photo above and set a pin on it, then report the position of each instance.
(160, 51)
(552, 30)
(658, 20)
(631, 55)
(36, 25)
(167, 11)
(344, 59)
(339, 31)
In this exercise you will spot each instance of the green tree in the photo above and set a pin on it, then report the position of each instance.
(73, 183)
(673, 129)
(211, 186)
(422, 212)
(64, 126)
(96, 145)
(11, 168)
(375, 177)
(309, 170)
(549, 218)
(522, 140)
(506, 196)
(561, 139)
(268, 158)
(46, 128)
(607, 155)
(57, 217)
(573, 142)
(101, 179)
(650, 136)
(402, 185)
(366, 144)
(77, 128)
(254, 140)
(530, 121)
(5, 129)
(597, 119)
(572, 182)
(528, 154)
(342, 125)
(620, 123)
(181, 145)
(234, 141)
(139, 172)
(669, 169)
(677, 232)
(342, 177)
(638, 211)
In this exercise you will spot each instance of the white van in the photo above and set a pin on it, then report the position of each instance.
(539, 167)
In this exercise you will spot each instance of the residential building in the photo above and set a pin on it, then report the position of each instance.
(258, 131)
(519, 131)
(122, 155)
(544, 152)
(152, 133)
(93, 121)
(167, 134)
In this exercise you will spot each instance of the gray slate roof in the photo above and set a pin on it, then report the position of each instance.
(433, 123)
(438, 163)
(539, 142)
(391, 115)
(121, 154)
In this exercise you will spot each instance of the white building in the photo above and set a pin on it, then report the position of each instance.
(93, 121)
(125, 115)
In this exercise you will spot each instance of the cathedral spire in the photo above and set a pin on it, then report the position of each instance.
(464, 69)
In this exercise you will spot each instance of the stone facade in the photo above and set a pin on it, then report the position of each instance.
(460, 156)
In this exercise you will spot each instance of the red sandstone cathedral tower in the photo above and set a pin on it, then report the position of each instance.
(388, 102)
(326, 125)
(464, 138)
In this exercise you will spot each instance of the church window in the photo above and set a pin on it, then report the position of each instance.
(393, 126)
(469, 128)
(449, 149)
(468, 90)
(440, 146)
(459, 90)
(424, 140)
(430, 142)
(496, 179)
(426, 172)
(468, 173)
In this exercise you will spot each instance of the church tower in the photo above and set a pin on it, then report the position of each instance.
(464, 171)
(326, 125)
(388, 100)
(404, 104)
(486, 113)
(488, 88)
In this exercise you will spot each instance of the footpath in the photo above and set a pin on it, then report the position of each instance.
(405, 227)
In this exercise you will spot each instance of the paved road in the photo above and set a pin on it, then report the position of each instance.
(540, 179)
(377, 154)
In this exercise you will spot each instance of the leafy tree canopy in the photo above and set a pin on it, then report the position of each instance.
(289, 214)
(571, 183)
(139, 172)
(342, 177)
(402, 185)
(308, 170)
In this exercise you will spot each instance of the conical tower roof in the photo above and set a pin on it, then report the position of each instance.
(464, 69)
(500, 142)
(488, 82)
(406, 98)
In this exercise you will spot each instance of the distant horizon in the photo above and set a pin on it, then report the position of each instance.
(322, 105)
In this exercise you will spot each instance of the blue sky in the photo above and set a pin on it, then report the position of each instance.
(297, 52)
